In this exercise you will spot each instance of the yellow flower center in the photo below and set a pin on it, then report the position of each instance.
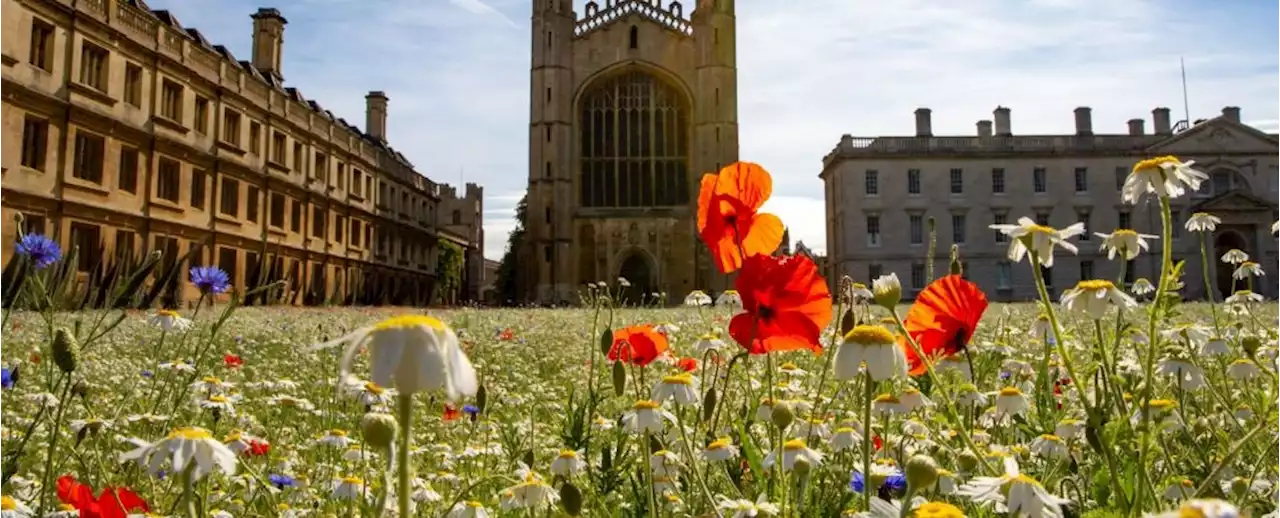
(474, 504)
(7, 503)
(337, 433)
(1051, 437)
(1096, 285)
(1162, 404)
(217, 399)
(766, 401)
(282, 506)
(407, 321)
(210, 380)
(1243, 293)
(355, 481)
(1248, 264)
(845, 429)
(645, 405)
(233, 437)
(938, 510)
(1024, 479)
(794, 445)
(568, 454)
(190, 433)
(968, 387)
(1154, 163)
(789, 366)
(61, 507)
(911, 392)
(859, 286)
(886, 398)
(167, 313)
(1010, 391)
(678, 379)
(1242, 361)
(869, 335)
(1186, 482)
(1190, 511)
(719, 444)
(730, 292)
(1041, 229)
(1123, 232)
(373, 388)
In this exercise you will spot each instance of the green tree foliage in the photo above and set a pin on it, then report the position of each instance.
(450, 262)
(508, 284)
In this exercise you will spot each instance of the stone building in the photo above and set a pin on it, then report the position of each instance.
(126, 132)
(881, 193)
(465, 227)
(631, 104)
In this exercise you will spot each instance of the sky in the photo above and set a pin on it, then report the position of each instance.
(457, 74)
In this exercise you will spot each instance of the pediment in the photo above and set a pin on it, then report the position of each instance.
(670, 17)
(1216, 136)
(1234, 201)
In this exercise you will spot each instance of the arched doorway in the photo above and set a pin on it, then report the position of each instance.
(1224, 241)
(638, 271)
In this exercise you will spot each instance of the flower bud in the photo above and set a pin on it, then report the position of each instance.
(782, 416)
(619, 379)
(922, 471)
(1239, 487)
(967, 461)
(379, 429)
(66, 350)
(571, 499)
(1251, 345)
(801, 467)
(709, 404)
(956, 267)
(887, 290)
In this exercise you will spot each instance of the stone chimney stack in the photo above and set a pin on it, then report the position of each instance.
(1002, 122)
(1084, 121)
(1160, 121)
(1136, 127)
(1231, 113)
(268, 41)
(375, 115)
(924, 122)
(984, 128)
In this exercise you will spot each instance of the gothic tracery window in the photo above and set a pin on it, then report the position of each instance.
(634, 144)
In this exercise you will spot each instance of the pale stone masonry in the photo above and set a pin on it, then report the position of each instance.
(125, 131)
(881, 192)
(631, 103)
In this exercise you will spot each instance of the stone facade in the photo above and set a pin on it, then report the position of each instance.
(882, 191)
(631, 104)
(125, 132)
(465, 227)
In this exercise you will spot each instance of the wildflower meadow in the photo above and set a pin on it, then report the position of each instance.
(791, 395)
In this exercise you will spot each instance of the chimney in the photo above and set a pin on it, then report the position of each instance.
(1084, 121)
(1136, 127)
(1002, 122)
(268, 39)
(984, 128)
(1160, 121)
(375, 115)
(924, 122)
(1231, 113)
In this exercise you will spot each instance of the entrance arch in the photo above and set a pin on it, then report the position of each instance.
(1224, 241)
(637, 268)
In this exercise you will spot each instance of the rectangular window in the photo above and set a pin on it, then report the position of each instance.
(1039, 180)
(251, 208)
(202, 115)
(227, 258)
(1000, 218)
(1047, 273)
(339, 226)
(231, 127)
(90, 150)
(356, 182)
(1176, 230)
(229, 202)
(124, 243)
(298, 155)
(321, 168)
(916, 228)
(133, 85)
(355, 232)
(874, 271)
(1122, 174)
(33, 224)
(1084, 217)
(127, 174)
(41, 45)
(35, 142)
(917, 276)
(1004, 275)
(1082, 179)
(997, 180)
(317, 222)
(198, 181)
(278, 149)
(341, 176)
(1042, 218)
(277, 210)
(295, 217)
(93, 66)
(1086, 270)
(913, 181)
(87, 238)
(255, 138)
(171, 100)
(957, 181)
(873, 230)
(168, 180)
(1124, 220)
(1129, 271)
(872, 182)
(957, 229)
(457, 217)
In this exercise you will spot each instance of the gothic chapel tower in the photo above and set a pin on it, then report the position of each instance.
(630, 104)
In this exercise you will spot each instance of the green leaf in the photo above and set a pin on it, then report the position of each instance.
(749, 449)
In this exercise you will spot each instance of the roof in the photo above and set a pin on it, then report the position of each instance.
(671, 18)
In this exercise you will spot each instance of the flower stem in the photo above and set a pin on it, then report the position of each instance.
(53, 440)
(404, 414)
(866, 438)
(1208, 286)
(1153, 341)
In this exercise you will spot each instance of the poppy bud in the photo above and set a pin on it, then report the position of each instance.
(956, 268)
(571, 499)
(1239, 487)
(782, 416)
(80, 389)
(1251, 345)
(847, 322)
(709, 404)
(619, 379)
(528, 458)
(482, 398)
(379, 429)
(66, 350)
(967, 461)
(922, 471)
(606, 341)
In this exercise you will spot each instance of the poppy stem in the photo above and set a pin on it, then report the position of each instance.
(867, 386)
(404, 414)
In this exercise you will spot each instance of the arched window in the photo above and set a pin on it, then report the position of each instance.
(633, 132)
(1220, 182)
(634, 38)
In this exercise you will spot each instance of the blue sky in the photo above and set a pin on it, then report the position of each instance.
(456, 72)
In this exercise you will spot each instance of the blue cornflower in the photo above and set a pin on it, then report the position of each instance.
(1004, 375)
(210, 279)
(471, 409)
(41, 250)
(6, 378)
(895, 482)
(280, 481)
(147, 373)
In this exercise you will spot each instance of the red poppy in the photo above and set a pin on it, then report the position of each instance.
(111, 503)
(786, 304)
(231, 361)
(451, 413)
(876, 442)
(687, 364)
(258, 448)
(507, 335)
(639, 344)
(942, 319)
(727, 219)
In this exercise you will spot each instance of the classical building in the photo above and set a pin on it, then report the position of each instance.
(125, 132)
(464, 226)
(881, 193)
(631, 104)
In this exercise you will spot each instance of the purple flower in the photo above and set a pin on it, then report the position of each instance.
(210, 279)
(6, 378)
(280, 481)
(41, 250)
(471, 409)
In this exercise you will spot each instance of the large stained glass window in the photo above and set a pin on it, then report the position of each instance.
(634, 144)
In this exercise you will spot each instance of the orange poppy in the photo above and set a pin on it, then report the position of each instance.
(942, 319)
(639, 344)
(786, 304)
(687, 364)
(727, 219)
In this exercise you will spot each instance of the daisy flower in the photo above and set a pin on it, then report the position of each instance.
(1235, 256)
(1037, 240)
(568, 463)
(1246, 270)
(876, 347)
(189, 447)
(531, 492)
(1243, 296)
(1010, 401)
(411, 353)
(1202, 508)
(743, 508)
(1014, 493)
(169, 320)
(697, 298)
(1166, 177)
(1124, 242)
(683, 388)
(468, 509)
(730, 299)
(347, 488)
(1050, 446)
(12, 508)
(1243, 369)
(1094, 297)
(1142, 286)
(1190, 376)
(793, 451)
(646, 416)
(721, 449)
(1202, 222)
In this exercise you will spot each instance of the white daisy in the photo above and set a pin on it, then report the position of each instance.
(1204, 508)
(189, 447)
(1014, 493)
(646, 416)
(1166, 177)
(568, 463)
(468, 509)
(721, 449)
(682, 388)
(875, 346)
(1235, 256)
(730, 299)
(1095, 297)
(697, 298)
(1028, 237)
(1123, 242)
(411, 353)
(169, 320)
(1246, 270)
(1010, 401)
(1202, 222)
(792, 451)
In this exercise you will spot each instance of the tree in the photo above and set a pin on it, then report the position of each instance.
(508, 284)
(450, 263)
